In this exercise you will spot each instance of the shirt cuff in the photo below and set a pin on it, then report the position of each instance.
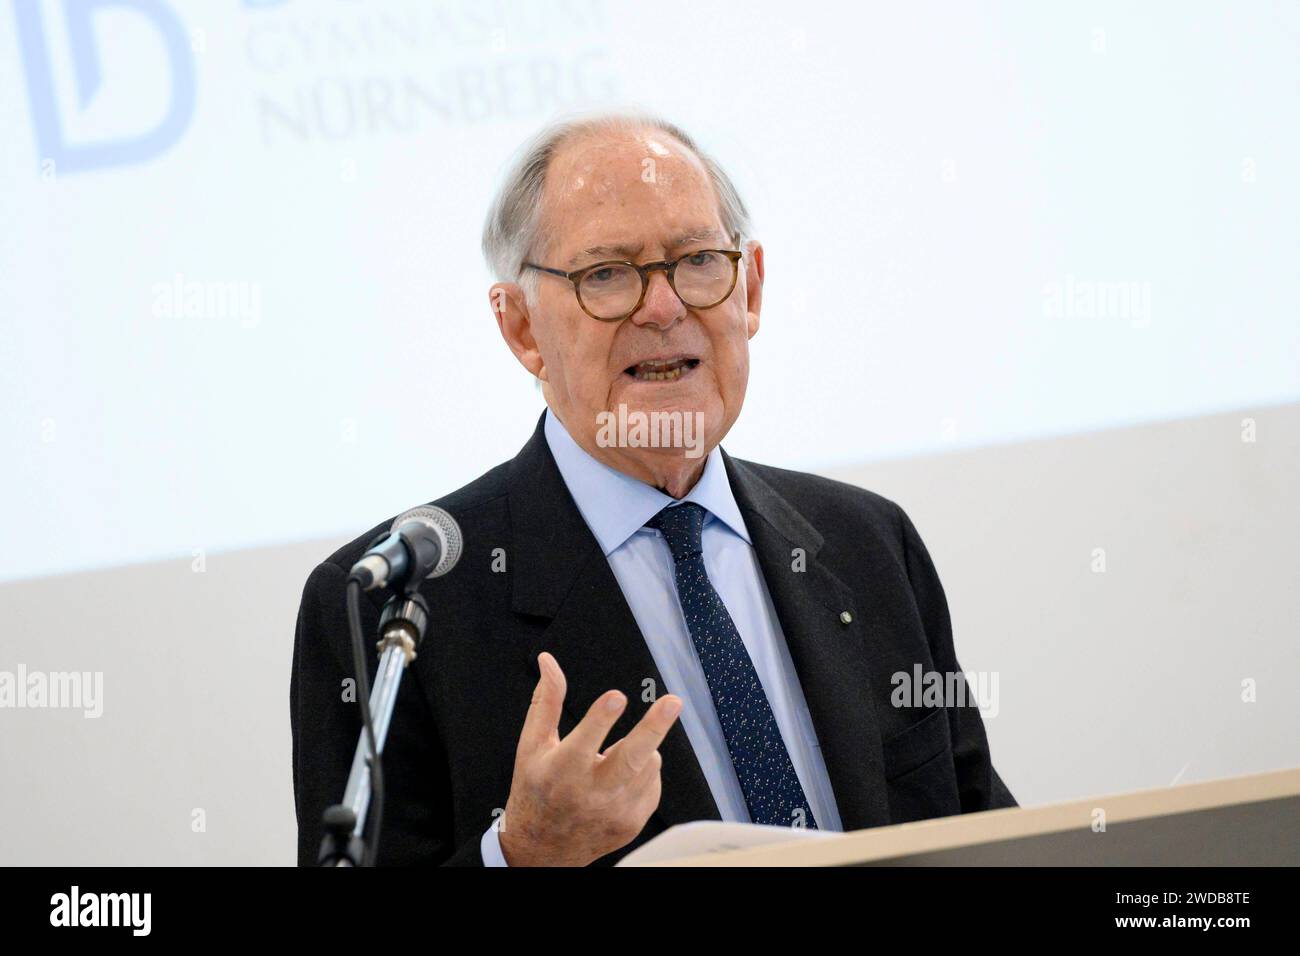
(490, 847)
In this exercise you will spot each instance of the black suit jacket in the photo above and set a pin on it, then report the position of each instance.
(450, 751)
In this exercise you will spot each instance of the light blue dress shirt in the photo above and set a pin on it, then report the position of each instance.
(616, 508)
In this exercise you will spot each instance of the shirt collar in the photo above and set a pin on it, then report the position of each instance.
(615, 506)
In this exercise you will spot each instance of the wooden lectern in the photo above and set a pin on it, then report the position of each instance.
(1242, 821)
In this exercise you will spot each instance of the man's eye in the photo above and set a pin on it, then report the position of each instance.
(700, 259)
(600, 275)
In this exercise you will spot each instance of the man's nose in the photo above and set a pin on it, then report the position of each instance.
(661, 307)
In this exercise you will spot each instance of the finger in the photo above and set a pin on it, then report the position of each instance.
(542, 724)
(588, 737)
(628, 757)
(645, 788)
(639, 798)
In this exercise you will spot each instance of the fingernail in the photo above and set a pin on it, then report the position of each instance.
(614, 703)
(673, 707)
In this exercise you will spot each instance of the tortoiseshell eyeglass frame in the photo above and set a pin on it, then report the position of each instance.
(667, 266)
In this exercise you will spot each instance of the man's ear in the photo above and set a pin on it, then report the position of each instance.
(510, 307)
(753, 284)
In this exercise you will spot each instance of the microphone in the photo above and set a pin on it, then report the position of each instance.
(424, 542)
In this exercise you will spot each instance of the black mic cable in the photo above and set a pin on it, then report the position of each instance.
(376, 820)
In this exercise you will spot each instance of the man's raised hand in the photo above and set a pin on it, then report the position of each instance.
(570, 802)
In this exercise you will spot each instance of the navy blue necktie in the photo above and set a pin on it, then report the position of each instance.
(767, 778)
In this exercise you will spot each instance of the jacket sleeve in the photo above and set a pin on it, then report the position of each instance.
(326, 722)
(978, 782)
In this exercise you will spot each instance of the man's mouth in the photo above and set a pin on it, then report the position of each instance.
(661, 370)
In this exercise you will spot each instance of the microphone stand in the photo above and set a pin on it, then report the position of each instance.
(401, 629)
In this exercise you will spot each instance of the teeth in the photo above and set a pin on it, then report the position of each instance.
(661, 376)
(657, 371)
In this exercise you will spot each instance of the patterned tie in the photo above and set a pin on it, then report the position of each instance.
(767, 778)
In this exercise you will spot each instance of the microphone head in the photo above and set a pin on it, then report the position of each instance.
(445, 527)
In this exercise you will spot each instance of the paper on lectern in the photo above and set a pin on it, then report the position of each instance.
(714, 836)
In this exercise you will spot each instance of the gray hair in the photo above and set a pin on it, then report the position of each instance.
(514, 220)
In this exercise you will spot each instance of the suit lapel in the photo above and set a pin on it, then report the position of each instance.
(561, 574)
(829, 655)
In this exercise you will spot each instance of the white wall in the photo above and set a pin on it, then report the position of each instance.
(1028, 218)
(1108, 682)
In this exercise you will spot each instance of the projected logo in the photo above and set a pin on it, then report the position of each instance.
(174, 74)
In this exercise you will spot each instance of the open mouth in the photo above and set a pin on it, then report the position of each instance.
(655, 370)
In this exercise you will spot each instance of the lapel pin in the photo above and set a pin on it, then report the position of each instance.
(846, 617)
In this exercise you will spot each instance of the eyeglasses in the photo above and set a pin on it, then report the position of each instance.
(611, 291)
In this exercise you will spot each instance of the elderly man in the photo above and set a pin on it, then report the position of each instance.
(642, 630)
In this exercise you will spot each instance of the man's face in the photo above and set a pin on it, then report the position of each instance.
(639, 197)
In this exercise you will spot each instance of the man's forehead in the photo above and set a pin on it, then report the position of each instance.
(613, 196)
(612, 155)
(605, 174)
